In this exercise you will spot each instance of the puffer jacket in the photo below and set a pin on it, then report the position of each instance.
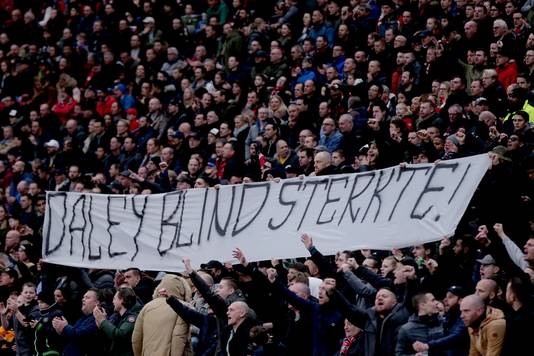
(488, 339)
(158, 329)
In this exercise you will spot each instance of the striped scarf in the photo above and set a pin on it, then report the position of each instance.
(347, 343)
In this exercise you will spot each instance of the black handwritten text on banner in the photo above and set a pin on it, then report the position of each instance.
(394, 207)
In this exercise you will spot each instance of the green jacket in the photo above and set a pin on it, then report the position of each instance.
(233, 47)
(121, 335)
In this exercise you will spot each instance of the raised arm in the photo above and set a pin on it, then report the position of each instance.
(374, 279)
(355, 315)
(361, 288)
(515, 253)
(216, 303)
(190, 315)
(317, 257)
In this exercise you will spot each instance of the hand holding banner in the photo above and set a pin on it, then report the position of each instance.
(390, 208)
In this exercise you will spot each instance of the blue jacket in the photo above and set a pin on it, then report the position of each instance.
(306, 75)
(127, 101)
(332, 142)
(82, 338)
(323, 30)
(456, 339)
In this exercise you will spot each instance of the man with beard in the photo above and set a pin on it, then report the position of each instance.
(487, 326)
(455, 340)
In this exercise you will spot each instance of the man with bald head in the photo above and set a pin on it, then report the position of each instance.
(12, 240)
(488, 291)
(323, 164)
(285, 156)
(235, 336)
(486, 326)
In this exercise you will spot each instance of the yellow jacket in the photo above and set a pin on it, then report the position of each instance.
(158, 330)
(529, 109)
(488, 339)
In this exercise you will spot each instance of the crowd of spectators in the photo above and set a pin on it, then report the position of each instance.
(152, 96)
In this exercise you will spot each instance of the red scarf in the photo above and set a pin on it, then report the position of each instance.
(347, 343)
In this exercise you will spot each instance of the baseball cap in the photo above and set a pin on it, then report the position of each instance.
(409, 261)
(172, 50)
(120, 87)
(261, 54)
(500, 151)
(424, 34)
(487, 260)
(291, 169)
(214, 264)
(11, 272)
(194, 135)
(52, 143)
(149, 19)
(457, 291)
(214, 131)
(125, 174)
(481, 101)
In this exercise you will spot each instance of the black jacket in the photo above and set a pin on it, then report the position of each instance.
(375, 327)
(238, 344)
(207, 324)
(519, 323)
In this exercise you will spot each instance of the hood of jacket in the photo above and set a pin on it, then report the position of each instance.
(176, 286)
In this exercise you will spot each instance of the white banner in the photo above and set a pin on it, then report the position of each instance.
(385, 209)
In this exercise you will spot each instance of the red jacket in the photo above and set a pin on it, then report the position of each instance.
(507, 74)
(104, 107)
(64, 109)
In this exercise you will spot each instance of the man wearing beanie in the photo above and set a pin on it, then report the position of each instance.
(454, 146)
(47, 341)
